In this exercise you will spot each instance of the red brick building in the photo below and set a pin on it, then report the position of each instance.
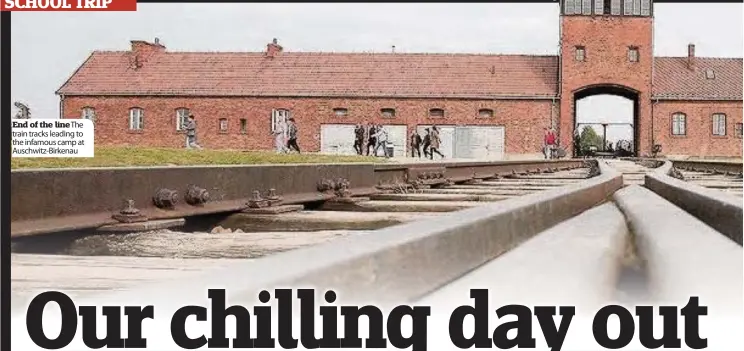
(487, 105)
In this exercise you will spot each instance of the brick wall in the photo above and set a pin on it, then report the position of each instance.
(606, 40)
(698, 139)
(524, 120)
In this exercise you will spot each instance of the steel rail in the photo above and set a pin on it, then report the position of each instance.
(399, 263)
(52, 200)
(721, 211)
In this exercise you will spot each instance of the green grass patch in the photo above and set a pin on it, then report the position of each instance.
(139, 156)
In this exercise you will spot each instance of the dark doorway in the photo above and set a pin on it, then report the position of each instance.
(612, 114)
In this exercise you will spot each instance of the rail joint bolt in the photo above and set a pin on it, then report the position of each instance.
(196, 195)
(165, 198)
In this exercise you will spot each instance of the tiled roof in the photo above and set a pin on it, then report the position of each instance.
(318, 74)
(373, 75)
(674, 80)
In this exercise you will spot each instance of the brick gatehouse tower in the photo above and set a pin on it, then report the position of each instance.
(607, 48)
(486, 105)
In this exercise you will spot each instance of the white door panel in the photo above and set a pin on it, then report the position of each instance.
(337, 139)
(398, 136)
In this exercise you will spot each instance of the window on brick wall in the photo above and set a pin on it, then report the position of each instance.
(243, 126)
(633, 54)
(88, 113)
(223, 125)
(738, 130)
(136, 118)
(182, 115)
(569, 7)
(679, 124)
(645, 7)
(436, 113)
(580, 53)
(600, 6)
(279, 116)
(719, 124)
(637, 8)
(340, 112)
(578, 7)
(485, 113)
(388, 112)
(587, 7)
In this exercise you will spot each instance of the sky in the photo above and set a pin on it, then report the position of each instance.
(47, 47)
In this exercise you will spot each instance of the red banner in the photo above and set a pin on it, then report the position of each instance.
(68, 5)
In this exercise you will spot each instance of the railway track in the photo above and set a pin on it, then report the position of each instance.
(88, 262)
(425, 243)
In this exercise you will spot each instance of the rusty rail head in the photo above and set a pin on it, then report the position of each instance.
(72, 198)
(398, 263)
(44, 201)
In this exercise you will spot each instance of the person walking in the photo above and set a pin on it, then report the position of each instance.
(191, 133)
(415, 144)
(549, 141)
(435, 142)
(359, 139)
(382, 137)
(371, 138)
(292, 133)
(426, 142)
(280, 136)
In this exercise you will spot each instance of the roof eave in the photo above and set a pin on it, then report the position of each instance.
(695, 98)
(334, 96)
(59, 91)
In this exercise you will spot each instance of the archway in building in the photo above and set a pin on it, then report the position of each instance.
(612, 112)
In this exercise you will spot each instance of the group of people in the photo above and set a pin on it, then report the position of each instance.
(430, 143)
(376, 137)
(285, 136)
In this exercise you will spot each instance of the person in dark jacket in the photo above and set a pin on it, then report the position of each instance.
(292, 136)
(371, 139)
(427, 142)
(415, 144)
(359, 139)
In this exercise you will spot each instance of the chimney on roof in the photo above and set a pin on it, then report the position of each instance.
(273, 48)
(142, 50)
(691, 56)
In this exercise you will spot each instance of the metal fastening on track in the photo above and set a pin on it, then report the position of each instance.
(129, 213)
(165, 198)
(196, 195)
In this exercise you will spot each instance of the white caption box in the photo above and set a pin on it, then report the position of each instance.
(52, 138)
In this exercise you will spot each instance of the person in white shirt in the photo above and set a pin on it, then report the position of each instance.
(382, 137)
(280, 136)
